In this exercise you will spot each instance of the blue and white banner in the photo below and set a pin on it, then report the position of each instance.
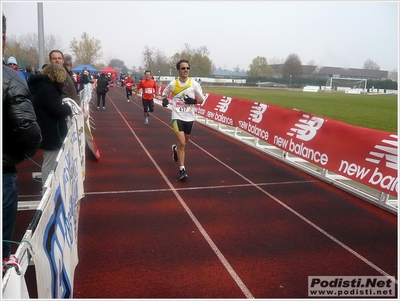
(51, 238)
(55, 239)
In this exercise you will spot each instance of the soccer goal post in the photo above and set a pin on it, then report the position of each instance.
(347, 85)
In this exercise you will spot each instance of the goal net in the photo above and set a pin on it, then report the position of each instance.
(347, 85)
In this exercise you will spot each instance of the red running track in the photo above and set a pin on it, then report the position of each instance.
(242, 225)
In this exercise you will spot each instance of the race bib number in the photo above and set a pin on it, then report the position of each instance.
(148, 91)
(182, 106)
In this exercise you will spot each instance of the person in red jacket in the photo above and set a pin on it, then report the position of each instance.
(129, 82)
(149, 88)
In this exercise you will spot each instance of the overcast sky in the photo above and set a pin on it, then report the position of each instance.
(336, 34)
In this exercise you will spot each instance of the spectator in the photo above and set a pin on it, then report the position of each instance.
(51, 113)
(69, 89)
(21, 139)
(78, 81)
(101, 90)
(84, 79)
(12, 63)
(57, 57)
(29, 70)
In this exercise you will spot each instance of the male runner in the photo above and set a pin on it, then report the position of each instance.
(186, 93)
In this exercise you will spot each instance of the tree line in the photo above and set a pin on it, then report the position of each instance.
(88, 50)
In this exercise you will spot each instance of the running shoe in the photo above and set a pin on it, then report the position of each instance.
(104, 108)
(98, 108)
(146, 121)
(127, 100)
(174, 153)
(148, 114)
(182, 174)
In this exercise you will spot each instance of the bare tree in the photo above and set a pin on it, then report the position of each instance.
(276, 61)
(147, 56)
(161, 63)
(25, 48)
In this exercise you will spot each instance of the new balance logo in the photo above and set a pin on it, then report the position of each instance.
(223, 104)
(205, 98)
(387, 150)
(307, 128)
(257, 111)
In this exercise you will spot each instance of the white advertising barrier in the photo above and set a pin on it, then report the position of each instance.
(51, 238)
(86, 98)
(364, 155)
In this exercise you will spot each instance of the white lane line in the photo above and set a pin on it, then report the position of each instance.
(359, 256)
(195, 188)
(213, 246)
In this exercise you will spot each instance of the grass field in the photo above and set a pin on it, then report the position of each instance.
(370, 111)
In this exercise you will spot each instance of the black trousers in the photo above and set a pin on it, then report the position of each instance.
(103, 96)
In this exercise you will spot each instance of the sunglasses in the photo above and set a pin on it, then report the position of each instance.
(185, 68)
(12, 64)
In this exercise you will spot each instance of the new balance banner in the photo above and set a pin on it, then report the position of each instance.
(364, 155)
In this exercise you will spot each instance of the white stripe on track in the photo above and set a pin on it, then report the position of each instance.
(213, 246)
(192, 188)
(359, 256)
(319, 229)
(343, 245)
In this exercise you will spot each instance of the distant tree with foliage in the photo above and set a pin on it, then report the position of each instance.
(260, 68)
(200, 63)
(87, 50)
(393, 75)
(371, 65)
(292, 67)
(118, 65)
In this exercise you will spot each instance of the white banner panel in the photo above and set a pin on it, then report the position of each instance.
(55, 239)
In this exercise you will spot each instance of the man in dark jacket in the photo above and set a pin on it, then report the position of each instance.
(57, 57)
(69, 89)
(101, 90)
(21, 139)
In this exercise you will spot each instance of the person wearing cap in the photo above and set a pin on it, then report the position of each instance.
(12, 63)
